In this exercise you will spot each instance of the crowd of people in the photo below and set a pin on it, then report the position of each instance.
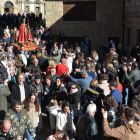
(86, 95)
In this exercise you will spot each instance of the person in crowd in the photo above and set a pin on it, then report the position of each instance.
(115, 55)
(51, 65)
(125, 132)
(20, 120)
(134, 76)
(86, 127)
(69, 61)
(7, 30)
(103, 84)
(53, 110)
(120, 87)
(111, 72)
(4, 93)
(42, 62)
(135, 52)
(74, 98)
(18, 62)
(20, 90)
(48, 87)
(59, 135)
(64, 120)
(9, 51)
(34, 65)
(112, 112)
(4, 63)
(121, 51)
(37, 88)
(59, 91)
(84, 82)
(27, 75)
(24, 55)
(4, 129)
(6, 38)
(121, 118)
(112, 44)
(32, 105)
(86, 47)
(62, 68)
(91, 71)
(115, 92)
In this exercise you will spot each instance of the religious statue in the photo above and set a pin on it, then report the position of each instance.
(24, 33)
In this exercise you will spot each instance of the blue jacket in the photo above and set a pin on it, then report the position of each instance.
(118, 96)
(92, 74)
(83, 82)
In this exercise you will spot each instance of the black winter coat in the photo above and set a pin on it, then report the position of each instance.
(74, 99)
(3, 137)
(3, 71)
(86, 128)
(15, 92)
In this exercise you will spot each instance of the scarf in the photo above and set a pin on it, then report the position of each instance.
(74, 91)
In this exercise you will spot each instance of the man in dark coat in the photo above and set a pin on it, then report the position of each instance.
(34, 65)
(135, 52)
(121, 52)
(86, 47)
(74, 98)
(20, 90)
(4, 130)
(86, 127)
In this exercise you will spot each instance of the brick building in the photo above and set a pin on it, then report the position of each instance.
(101, 20)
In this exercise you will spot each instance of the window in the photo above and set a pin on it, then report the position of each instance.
(27, 9)
(8, 4)
(79, 11)
(37, 11)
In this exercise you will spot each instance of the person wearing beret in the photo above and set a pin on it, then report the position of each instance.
(37, 88)
(18, 62)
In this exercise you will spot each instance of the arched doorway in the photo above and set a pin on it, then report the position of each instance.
(9, 7)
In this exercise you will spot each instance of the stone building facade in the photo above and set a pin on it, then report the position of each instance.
(105, 24)
(20, 6)
(132, 23)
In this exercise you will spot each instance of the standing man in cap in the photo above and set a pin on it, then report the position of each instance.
(84, 82)
(20, 90)
(4, 130)
(18, 62)
(37, 88)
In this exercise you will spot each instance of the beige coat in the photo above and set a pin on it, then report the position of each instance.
(35, 117)
(105, 86)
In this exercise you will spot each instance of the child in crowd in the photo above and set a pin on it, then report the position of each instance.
(59, 135)
(53, 110)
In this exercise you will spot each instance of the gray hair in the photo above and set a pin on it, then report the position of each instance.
(91, 108)
(8, 48)
(35, 59)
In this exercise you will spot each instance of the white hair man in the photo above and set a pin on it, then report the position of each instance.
(34, 65)
(87, 125)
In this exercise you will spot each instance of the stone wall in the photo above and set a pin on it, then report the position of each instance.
(108, 21)
(132, 23)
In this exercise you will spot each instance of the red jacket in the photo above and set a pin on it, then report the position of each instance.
(60, 69)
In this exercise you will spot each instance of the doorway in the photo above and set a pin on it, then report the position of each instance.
(8, 7)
